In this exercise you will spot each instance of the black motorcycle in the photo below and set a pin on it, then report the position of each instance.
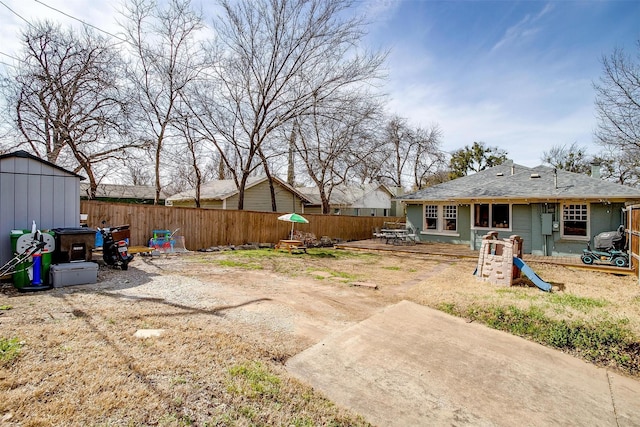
(115, 250)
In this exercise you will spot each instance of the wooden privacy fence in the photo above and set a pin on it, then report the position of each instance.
(633, 225)
(203, 228)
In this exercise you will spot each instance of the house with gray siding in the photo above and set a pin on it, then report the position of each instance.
(556, 212)
(224, 194)
(371, 199)
(32, 189)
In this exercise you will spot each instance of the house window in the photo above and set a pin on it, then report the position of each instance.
(431, 217)
(481, 215)
(492, 215)
(575, 220)
(356, 212)
(440, 218)
(500, 216)
(450, 215)
(373, 212)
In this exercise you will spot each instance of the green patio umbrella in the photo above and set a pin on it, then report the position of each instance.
(293, 218)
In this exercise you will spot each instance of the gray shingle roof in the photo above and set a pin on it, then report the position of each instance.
(342, 195)
(224, 188)
(116, 191)
(512, 181)
(213, 190)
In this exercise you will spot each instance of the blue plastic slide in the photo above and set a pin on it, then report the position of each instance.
(531, 274)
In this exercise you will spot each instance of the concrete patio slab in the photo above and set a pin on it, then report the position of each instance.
(412, 365)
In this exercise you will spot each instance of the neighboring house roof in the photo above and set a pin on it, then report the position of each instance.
(116, 191)
(222, 189)
(23, 154)
(353, 196)
(516, 182)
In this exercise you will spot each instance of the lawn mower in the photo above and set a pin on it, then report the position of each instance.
(610, 248)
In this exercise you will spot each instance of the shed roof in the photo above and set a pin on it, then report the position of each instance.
(25, 155)
(516, 182)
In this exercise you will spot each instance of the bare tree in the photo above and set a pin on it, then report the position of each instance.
(134, 169)
(407, 156)
(429, 160)
(619, 166)
(618, 102)
(165, 61)
(280, 58)
(572, 158)
(333, 140)
(399, 140)
(193, 164)
(618, 107)
(67, 99)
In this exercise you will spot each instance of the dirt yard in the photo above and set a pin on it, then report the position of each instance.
(225, 325)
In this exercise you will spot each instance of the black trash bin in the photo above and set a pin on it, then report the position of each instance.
(73, 244)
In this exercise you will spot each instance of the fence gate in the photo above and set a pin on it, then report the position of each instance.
(633, 226)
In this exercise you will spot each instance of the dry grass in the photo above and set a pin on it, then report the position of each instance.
(578, 293)
(80, 364)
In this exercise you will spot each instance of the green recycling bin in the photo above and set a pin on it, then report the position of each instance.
(22, 279)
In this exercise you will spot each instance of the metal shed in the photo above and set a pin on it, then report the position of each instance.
(34, 189)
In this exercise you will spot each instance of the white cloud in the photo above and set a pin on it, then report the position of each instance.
(379, 11)
(525, 29)
(524, 116)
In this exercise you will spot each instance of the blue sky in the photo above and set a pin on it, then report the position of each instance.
(517, 75)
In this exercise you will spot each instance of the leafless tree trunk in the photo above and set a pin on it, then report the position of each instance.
(267, 171)
(291, 170)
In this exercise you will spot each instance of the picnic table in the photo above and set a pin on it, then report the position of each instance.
(397, 236)
(290, 245)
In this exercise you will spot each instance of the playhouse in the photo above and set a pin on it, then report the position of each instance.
(500, 262)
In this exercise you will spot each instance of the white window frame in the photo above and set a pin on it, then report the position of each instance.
(562, 220)
(440, 219)
(489, 227)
